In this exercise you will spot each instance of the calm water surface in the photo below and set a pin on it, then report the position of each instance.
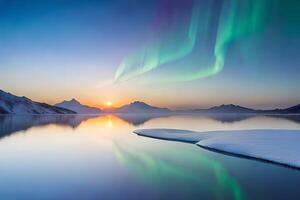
(89, 157)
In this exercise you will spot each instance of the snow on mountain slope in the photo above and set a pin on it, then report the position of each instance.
(11, 104)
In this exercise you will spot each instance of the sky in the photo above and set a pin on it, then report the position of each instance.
(170, 53)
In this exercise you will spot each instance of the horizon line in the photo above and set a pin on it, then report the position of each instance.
(103, 107)
(175, 109)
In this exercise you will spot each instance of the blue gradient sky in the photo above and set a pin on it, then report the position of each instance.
(53, 50)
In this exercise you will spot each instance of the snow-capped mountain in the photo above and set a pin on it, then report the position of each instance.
(11, 104)
(290, 110)
(230, 108)
(293, 109)
(78, 107)
(141, 107)
(236, 109)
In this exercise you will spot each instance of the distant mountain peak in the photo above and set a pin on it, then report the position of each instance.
(76, 106)
(74, 100)
(71, 101)
(228, 106)
(139, 103)
(141, 107)
(293, 109)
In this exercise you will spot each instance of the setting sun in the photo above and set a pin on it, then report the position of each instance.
(109, 103)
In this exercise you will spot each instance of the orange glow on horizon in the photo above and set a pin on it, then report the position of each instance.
(104, 104)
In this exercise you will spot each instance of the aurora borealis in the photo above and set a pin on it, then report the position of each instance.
(176, 45)
(199, 53)
(236, 19)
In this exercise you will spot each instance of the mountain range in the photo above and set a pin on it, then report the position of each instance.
(230, 108)
(11, 104)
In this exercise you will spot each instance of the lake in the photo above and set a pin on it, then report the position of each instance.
(98, 157)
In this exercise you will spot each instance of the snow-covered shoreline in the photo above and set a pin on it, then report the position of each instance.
(277, 146)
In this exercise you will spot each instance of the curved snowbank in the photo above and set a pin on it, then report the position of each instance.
(278, 146)
(171, 134)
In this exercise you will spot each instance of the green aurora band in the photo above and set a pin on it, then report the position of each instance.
(162, 51)
(238, 18)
